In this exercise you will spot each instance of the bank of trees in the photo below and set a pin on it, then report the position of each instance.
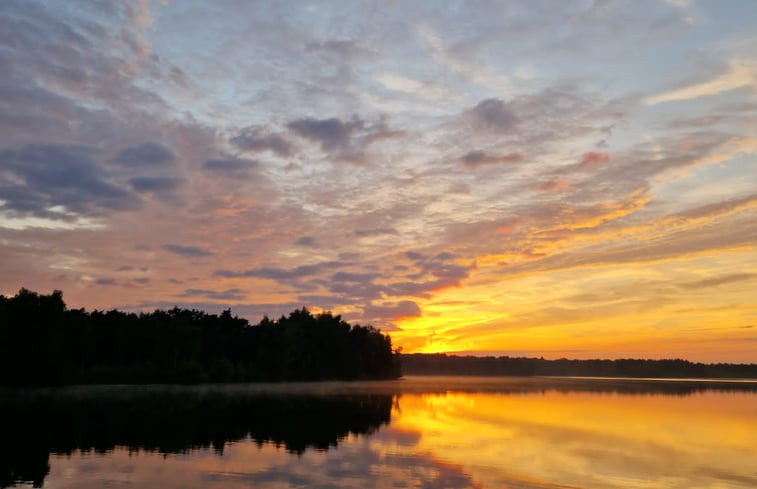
(443, 364)
(43, 342)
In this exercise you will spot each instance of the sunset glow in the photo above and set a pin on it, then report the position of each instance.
(548, 179)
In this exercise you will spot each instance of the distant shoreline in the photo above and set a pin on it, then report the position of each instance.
(504, 366)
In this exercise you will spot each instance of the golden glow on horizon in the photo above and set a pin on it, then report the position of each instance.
(700, 308)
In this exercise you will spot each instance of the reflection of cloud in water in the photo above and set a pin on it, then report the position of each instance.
(550, 439)
(364, 462)
(385, 462)
(589, 439)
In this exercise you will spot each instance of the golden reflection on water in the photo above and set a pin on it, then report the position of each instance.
(456, 440)
(588, 440)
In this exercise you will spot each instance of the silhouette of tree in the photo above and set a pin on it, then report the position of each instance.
(42, 342)
(443, 364)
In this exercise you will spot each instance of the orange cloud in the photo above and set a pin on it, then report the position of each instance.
(593, 158)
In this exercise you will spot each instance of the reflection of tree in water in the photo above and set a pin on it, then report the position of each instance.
(33, 426)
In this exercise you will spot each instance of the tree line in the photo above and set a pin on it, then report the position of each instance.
(443, 364)
(42, 342)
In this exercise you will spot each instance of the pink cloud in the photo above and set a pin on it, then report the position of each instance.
(474, 159)
(594, 158)
(508, 226)
(554, 185)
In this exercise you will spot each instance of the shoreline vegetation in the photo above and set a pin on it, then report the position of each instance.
(42, 342)
(453, 365)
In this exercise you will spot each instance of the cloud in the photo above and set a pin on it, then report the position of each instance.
(256, 139)
(698, 122)
(92, 55)
(716, 209)
(494, 114)
(374, 232)
(593, 158)
(422, 90)
(188, 251)
(355, 292)
(48, 180)
(554, 185)
(281, 274)
(474, 159)
(740, 75)
(355, 287)
(308, 241)
(343, 47)
(346, 140)
(228, 294)
(162, 187)
(392, 310)
(686, 242)
(155, 185)
(679, 3)
(354, 277)
(719, 280)
(147, 154)
(460, 64)
(431, 273)
(231, 167)
(329, 133)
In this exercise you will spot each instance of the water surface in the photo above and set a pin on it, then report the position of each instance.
(427, 432)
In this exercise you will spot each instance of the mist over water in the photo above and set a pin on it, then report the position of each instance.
(417, 432)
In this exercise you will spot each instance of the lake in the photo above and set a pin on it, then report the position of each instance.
(418, 432)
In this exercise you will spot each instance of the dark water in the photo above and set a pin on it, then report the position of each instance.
(426, 432)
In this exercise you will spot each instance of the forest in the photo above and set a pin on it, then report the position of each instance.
(443, 364)
(42, 342)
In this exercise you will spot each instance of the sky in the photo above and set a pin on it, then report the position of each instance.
(532, 178)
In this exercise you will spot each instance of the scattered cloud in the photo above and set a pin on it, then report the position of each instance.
(593, 158)
(331, 133)
(46, 180)
(147, 154)
(494, 114)
(347, 140)
(258, 139)
(392, 310)
(474, 159)
(232, 167)
(187, 251)
(741, 74)
(282, 274)
(156, 185)
(720, 280)
(308, 241)
(554, 185)
(224, 295)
